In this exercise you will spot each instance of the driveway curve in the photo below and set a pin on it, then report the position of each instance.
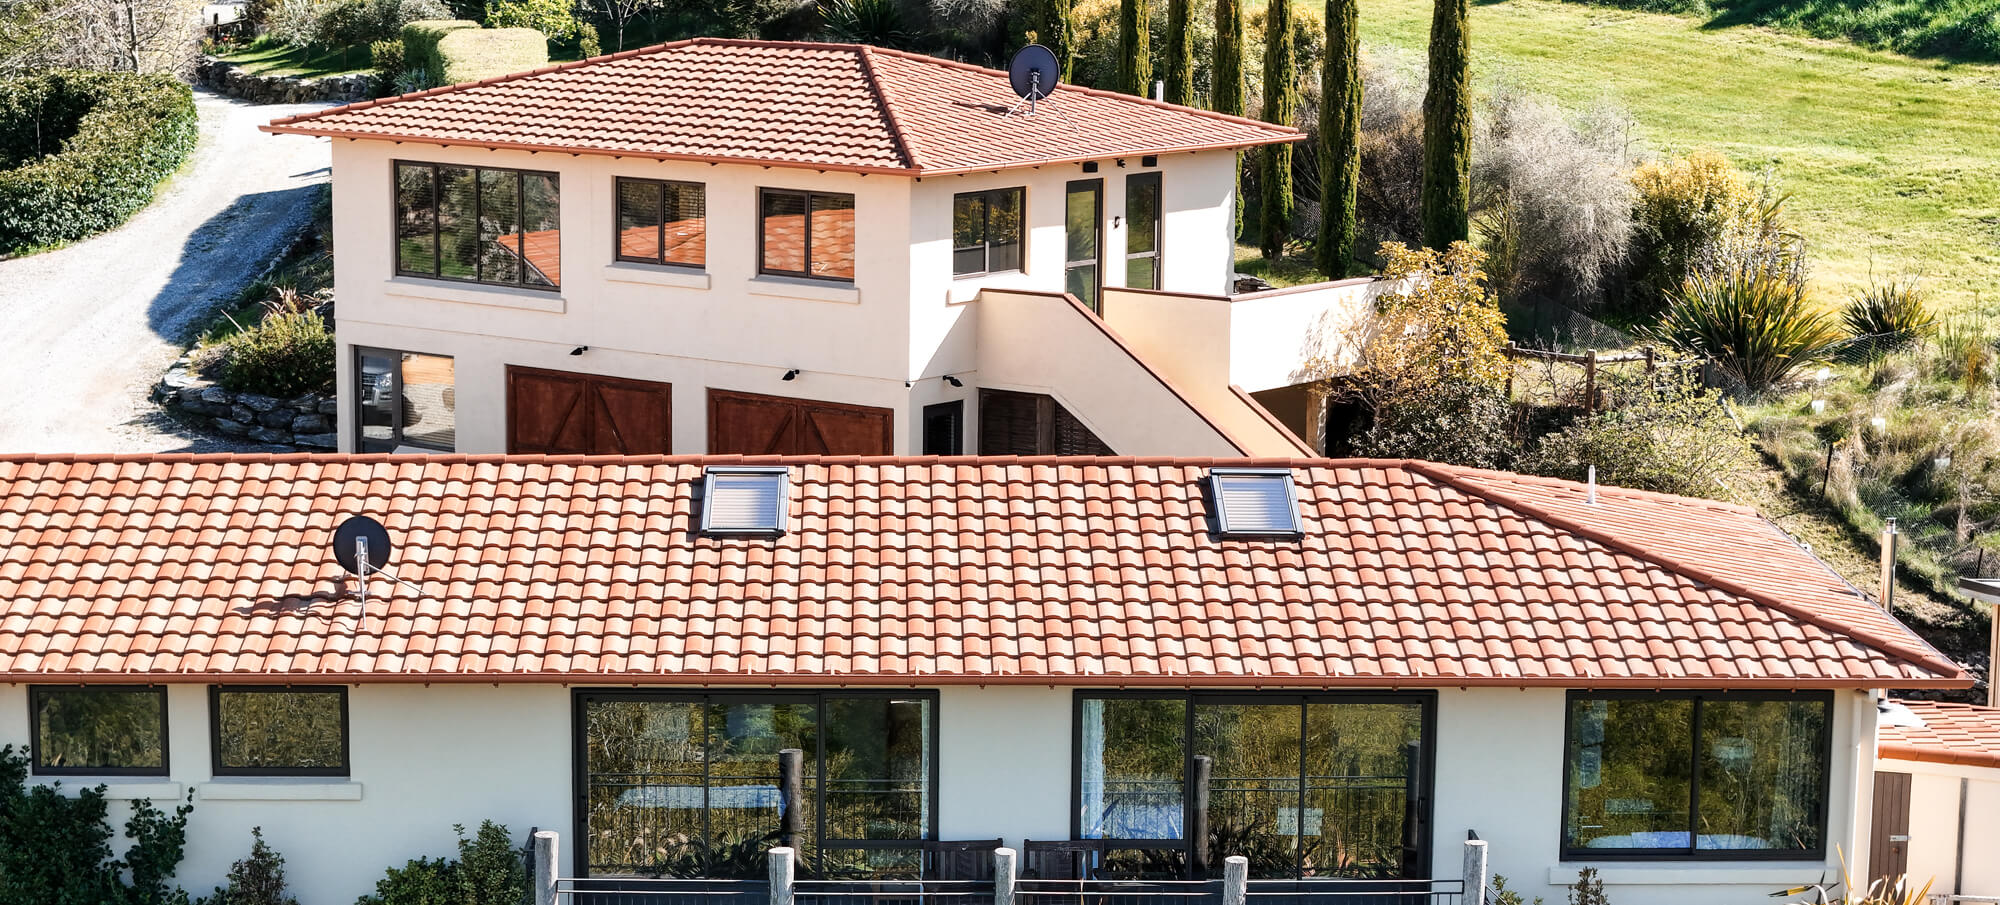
(88, 329)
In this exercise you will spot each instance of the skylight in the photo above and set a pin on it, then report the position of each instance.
(1254, 501)
(744, 500)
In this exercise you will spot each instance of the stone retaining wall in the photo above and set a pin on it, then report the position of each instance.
(306, 422)
(230, 79)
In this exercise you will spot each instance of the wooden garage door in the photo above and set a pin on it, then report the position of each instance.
(564, 413)
(753, 425)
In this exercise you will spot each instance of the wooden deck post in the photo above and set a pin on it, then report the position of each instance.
(1235, 880)
(783, 862)
(547, 842)
(1474, 873)
(1006, 869)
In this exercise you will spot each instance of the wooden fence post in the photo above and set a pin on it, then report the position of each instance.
(1235, 880)
(783, 863)
(1652, 362)
(1474, 873)
(1590, 383)
(547, 842)
(1006, 869)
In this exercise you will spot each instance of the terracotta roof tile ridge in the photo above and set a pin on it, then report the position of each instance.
(1272, 420)
(1602, 489)
(462, 86)
(1945, 737)
(885, 103)
(1925, 657)
(324, 458)
(1100, 92)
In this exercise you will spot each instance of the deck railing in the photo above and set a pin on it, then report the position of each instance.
(1006, 888)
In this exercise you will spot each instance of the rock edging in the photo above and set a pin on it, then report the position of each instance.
(307, 422)
(230, 79)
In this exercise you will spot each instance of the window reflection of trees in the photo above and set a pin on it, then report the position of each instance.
(278, 729)
(112, 728)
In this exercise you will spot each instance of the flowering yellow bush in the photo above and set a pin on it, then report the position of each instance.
(1443, 328)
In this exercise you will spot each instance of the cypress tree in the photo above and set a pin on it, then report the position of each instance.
(1281, 102)
(1057, 32)
(1226, 96)
(1180, 54)
(1339, 138)
(1135, 62)
(1447, 193)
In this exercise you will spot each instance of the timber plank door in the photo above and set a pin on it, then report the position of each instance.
(755, 425)
(1889, 833)
(565, 413)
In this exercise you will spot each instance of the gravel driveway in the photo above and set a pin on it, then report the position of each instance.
(85, 331)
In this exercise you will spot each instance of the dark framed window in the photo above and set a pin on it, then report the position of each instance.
(478, 225)
(944, 428)
(1692, 775)
(1142, 231)
(986, 231)
(1083, 239)
(1331, 784)
(688, 784)
(662, 222)
(404, 399)
(277, 730)
(805, 234)
(99, 730)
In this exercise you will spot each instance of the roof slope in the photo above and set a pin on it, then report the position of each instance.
(1964, 734)
(902, 571)
(791, 104)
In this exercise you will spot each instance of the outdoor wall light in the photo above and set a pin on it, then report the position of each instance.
(792, 374)
(953, 381)
(579, 350)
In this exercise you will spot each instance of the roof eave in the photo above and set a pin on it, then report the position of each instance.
(931, 679)
(864, 169)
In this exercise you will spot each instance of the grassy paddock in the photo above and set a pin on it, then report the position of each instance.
(267, 57)
(1893, 163)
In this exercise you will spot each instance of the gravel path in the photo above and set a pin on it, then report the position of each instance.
(88, 329)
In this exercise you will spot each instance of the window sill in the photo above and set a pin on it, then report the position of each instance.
(797, 288)
(1701, 873)
(279, 788)
(121, 788)
(656, 275)
(473, 294)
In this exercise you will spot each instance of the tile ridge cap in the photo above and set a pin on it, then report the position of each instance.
(886, 105)
(1942, 666)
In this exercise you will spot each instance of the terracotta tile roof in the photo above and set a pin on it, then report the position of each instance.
(908, 571)
(1963, 734)
(792, 104)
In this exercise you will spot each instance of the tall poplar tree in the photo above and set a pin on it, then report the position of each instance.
(1226, 95)
(1135, 62)
(1447, 192)
(1180, 54)
(1281, 103)
(1056, 30)
(1339, 138)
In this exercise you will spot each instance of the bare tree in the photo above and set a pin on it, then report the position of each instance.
(620, 12)
(113, 35)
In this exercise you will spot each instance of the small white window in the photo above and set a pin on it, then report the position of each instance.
(1254, 501)
(744, 500)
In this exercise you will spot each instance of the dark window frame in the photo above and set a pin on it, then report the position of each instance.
(361, 442)
(951, 412)
(36, 694)
(579, 756)
(618, 184)
(1159, 228)
(1096, 188)
(1571, 852)
(985, 245)
(807, 195)
(217, 768)
(437, 231)
(1425, 781)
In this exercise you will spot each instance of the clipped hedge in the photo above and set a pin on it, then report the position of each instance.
(121, 134)
(420, 46)
(482, 54)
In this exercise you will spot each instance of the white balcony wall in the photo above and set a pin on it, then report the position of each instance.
(1281, 337)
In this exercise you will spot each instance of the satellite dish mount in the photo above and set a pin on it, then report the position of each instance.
(1033, 74)
(361, 546)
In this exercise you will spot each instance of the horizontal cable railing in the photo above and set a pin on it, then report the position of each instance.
(892, 892)
(643, 891)
(1117, 892)
(1356, 892)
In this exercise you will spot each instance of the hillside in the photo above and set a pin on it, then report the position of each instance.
(1893, 163)
(1964, 30)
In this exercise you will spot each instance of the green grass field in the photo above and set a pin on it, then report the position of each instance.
(1893, 163)
(267, 57)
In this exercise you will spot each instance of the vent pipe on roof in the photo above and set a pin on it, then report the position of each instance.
(1159, 90)
(1887, 595)
(1590, 478)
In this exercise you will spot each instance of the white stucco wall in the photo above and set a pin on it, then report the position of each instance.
(426, 757)
(1935, 792)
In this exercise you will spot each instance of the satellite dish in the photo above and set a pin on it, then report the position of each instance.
(359, 537)
(1034, 72)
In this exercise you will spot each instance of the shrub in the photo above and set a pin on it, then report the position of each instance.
(1963, 351)
(256, 880)
(387, 58)
(420, 48)
(283, 355)
(56, 849)
(1392, 147)
(293, 22)
(1756, 325)
(469, 55)
(1443, 328)
(126, 133)
(1553, 197)
(1889, 314)
(1455, 423)
(489, 871)
(1700, 215)
(555, 19)
(1671, 436)
(877, 22)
